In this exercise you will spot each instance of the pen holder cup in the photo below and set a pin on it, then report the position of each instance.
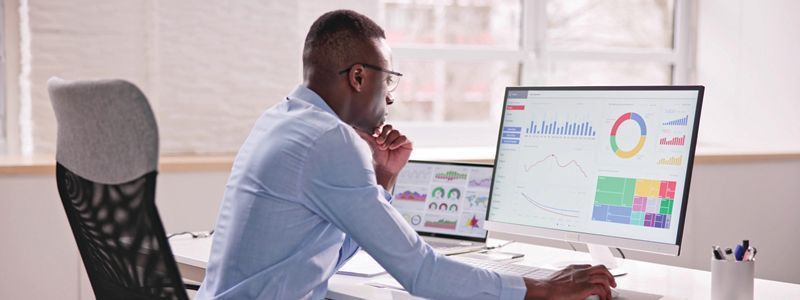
(732, 279)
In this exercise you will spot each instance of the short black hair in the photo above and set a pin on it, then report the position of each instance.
(338, 38)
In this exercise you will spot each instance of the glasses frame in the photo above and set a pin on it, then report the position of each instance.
(377, 68)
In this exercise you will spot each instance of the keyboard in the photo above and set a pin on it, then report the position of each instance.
(506, 267)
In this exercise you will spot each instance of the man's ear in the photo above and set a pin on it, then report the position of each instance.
(356, 77)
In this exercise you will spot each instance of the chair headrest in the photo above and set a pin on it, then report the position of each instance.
(106, 130)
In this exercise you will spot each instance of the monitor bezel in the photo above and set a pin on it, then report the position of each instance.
(452, 236)
(598, 239)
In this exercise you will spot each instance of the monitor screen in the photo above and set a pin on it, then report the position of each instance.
(444, 199)
(603, 161)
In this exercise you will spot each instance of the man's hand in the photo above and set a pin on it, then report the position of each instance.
(390, 152)
(573, 282)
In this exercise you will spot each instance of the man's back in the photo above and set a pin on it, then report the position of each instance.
(300, 182)
(264, 227)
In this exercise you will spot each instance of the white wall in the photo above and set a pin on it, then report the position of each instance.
(747, 58)
(208, 68)
(728, 202)
(227, 61)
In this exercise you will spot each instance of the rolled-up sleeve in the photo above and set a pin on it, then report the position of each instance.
(340, 186)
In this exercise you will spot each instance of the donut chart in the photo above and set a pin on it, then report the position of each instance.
(631, 116)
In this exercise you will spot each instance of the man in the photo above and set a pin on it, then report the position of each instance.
(309, 187)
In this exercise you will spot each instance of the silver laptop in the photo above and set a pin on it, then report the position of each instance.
(446, 203)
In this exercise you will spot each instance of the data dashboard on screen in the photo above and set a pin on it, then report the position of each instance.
(606, 162)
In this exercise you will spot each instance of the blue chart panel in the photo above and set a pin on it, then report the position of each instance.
(679, 122)
(583, 129)
(511, 135)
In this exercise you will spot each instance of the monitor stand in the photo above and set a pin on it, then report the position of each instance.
(601, 255)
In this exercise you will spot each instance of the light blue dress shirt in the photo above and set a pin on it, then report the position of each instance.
(301, 198)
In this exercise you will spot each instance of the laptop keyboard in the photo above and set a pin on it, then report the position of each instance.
(450, 248)
(505, 267)
(436, 244)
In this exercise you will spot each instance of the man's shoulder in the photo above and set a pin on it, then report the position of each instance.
(309, 123)
(304, 113)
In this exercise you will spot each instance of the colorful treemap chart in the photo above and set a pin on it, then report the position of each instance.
(635, 201)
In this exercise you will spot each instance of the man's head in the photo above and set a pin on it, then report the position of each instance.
(346, 61)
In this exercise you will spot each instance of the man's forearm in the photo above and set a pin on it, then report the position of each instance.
(385, 179)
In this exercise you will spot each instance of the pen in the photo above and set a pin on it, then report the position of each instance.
(747, 255)
(717, 253)
(728, 253)
(739, 252)
(499, 246)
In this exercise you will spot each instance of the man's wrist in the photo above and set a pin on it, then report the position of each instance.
(385, 178)
(536, 289)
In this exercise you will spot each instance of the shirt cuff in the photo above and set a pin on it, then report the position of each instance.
(513, 287)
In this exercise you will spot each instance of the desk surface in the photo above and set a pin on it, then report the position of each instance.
(671, 282)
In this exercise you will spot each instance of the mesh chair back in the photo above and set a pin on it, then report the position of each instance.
(120, 237)
(107, 154)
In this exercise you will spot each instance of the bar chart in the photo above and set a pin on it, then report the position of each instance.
(561, 128)
(671, 161)
(441, 224)
(675, 141)
(677, 122)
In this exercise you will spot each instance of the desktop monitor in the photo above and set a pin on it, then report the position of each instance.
(607, 166)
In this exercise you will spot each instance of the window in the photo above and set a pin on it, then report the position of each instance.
(459, 55)
(3, 138)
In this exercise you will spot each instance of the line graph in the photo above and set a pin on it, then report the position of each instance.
(558, 163)
(571, 213)
(480, 183)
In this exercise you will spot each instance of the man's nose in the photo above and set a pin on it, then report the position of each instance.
(389, 98)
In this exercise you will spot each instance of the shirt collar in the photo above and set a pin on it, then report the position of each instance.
(303, 93)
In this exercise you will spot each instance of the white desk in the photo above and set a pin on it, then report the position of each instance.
(671, 282)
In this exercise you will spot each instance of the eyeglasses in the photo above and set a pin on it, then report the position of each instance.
(391, 81)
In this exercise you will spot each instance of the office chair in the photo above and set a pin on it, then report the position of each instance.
(106, 167)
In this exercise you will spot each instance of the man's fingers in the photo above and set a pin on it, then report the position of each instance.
(588, 289)
(579, 267)
(390, 138)
(601, 291)
(599, 279)
(385, 131)
(602, 270)
(384, 138)
(399, 142)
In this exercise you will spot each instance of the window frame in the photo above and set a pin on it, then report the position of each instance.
(3, 135)
(531, 54)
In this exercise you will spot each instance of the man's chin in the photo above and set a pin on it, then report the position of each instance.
(371, 128)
